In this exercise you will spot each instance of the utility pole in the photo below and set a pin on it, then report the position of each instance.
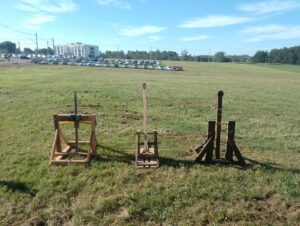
(36, 42)
(53, 45)
(19, 47)
(47, 48)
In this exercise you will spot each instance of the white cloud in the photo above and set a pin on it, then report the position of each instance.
(155, 38)
(271, 28)
(35, 22)
(214, 21)
(115, 3)
(195, 38)
(273, 6)
(271, 32)
(47, 6)
(139, 31)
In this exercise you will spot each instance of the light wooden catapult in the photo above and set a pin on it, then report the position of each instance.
(204, 152)
(146, 155)
(68, 151)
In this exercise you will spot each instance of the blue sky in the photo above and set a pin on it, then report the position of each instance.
(200, 27)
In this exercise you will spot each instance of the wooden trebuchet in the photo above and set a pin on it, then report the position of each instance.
(204, 152)
(66, 151)
(146, 154)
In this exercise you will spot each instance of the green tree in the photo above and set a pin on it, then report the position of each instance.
(219, 56)
(27, 51)
(260, 57)
(45, 51)
(8, 47)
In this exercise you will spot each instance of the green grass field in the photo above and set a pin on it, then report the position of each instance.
(263, 100)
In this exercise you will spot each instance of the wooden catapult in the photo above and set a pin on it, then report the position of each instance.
(146, 155)
(204, 152)
(66, 151)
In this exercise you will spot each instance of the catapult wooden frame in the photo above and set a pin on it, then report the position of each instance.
(204, 152)
(146, 157)
(146, 154)
(62, 148)
(67, 151)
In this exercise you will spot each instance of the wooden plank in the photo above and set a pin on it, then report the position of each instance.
(71, 154)
(237, 152)
(65, 161)
(70, 142)
(69, 118)
(219, 125)
(145, 117)
(155, 144)
(151, 163)
(210, 133)
(204, 150)
(229, 150)
(70, 122)
(64, 151)
(53, 146)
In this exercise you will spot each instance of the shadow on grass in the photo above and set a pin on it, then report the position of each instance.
(176, 163)
(121, 156)
(114, 155)
(18, 187)
(269, 166)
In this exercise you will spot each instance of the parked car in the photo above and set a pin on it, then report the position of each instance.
(177, 68)
(170, 68)
(43, 62)
(160, 67)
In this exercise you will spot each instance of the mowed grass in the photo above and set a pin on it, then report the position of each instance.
(263, 101)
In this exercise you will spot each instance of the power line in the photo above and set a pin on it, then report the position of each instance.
(14, 29)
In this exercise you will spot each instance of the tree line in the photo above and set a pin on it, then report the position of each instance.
(278, 56)
(174, 56)
(8, 47)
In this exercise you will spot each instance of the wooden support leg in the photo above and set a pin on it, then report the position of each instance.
(207, 149)
(229, 150)
(211, 133)
(219, 121)
(155, 144)
(232, 146)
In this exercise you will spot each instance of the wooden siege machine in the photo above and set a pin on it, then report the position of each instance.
(70, 151)
(146, 155)
(204, 152)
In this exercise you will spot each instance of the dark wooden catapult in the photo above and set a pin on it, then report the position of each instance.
(146, 155)
(69, 151)
(204, 152)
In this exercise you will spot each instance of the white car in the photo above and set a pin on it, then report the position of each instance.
(170, 68)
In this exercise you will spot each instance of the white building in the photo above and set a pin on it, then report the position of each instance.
(76, 49)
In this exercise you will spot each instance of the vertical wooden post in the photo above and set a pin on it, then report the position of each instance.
(138, 141)
(155, 144)
(56, 126)
(211, 134)
(231, 132)
(145, 117)
(219, 125)
(76, 123)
